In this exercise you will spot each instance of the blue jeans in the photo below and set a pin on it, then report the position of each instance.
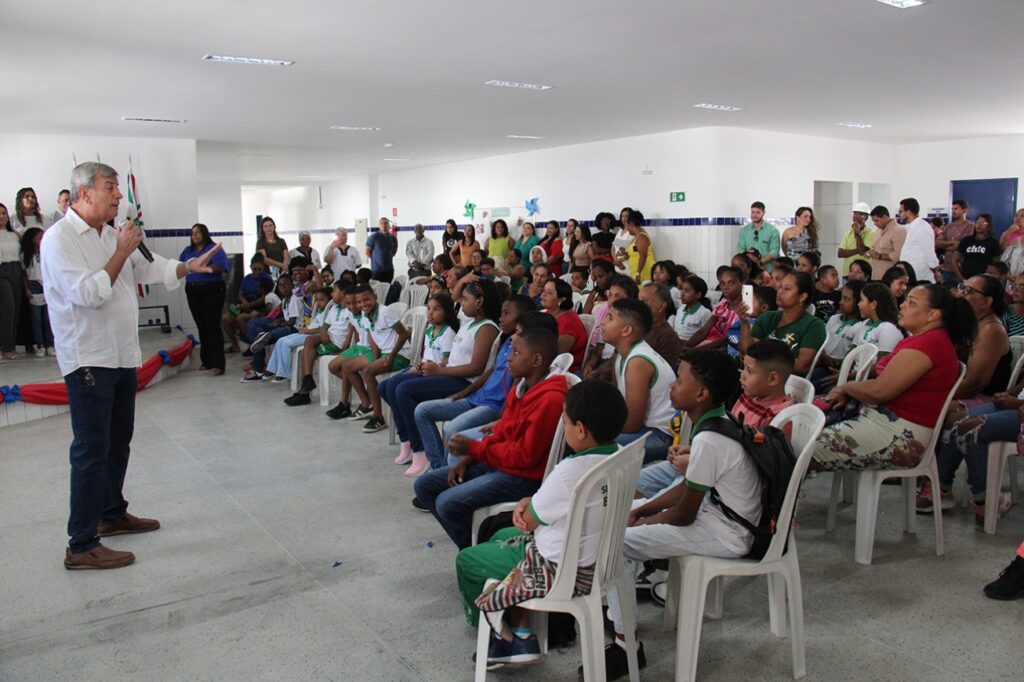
(280, 363)
(460, 415)
(256, 327)
(454, 507)
(102, 403)
(1000, 425)
(403, 392)
(655, 447)
(655, 478)
(472, 434)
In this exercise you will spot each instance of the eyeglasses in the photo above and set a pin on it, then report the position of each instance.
(967, 290)
(1018, 287)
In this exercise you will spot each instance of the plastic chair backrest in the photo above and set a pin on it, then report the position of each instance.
(861, 358)
(415, 319)
(619, 472)
(799, 389)
(1017, 353)
(381, 289)
(589, 322)
(503, 278)
(494, 352)
(929, 451)
(806, 423)
(557, 449)
(398, 308)
(817, 356)
(414, 294)
(714, 297)
(562, 362)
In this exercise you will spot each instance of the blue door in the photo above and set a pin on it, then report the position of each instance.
(997, 197)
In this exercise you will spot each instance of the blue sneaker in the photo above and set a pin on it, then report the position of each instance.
(518, 651)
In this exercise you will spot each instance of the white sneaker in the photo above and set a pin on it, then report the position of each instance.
(40, 352)
(51, 351)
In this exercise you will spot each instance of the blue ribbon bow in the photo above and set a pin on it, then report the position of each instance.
(11, 394)
(531, 206)
(165, 356)
(194, 340)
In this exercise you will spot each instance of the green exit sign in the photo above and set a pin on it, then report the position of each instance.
(677, 196)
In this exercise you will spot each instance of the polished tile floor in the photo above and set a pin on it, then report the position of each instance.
(289, 552)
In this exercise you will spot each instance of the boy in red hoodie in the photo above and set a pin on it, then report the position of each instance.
(507, 464)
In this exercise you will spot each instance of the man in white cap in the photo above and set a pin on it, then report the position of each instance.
(858, 239)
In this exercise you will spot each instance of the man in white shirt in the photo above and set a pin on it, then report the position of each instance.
(63, 201)
(90, 271)
(340, 255)
(919, 248)
(419, 252)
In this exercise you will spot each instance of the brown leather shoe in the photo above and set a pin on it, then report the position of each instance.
(97, 558)
(129, 524)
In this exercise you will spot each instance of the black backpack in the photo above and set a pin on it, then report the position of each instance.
(773, 456)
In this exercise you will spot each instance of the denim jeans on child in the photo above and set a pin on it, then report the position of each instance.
(453, 507)
(460, 415)
(403, 392)
(102, 403)
(999, 425)
(656, 445)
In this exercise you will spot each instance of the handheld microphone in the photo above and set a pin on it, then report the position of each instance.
(142, 248)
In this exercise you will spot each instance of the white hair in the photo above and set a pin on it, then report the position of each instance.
(84, 175)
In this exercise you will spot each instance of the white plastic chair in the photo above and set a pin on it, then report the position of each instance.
(1016, 352)
(589, 322)
(415, 320)
(869, 482)
(690, 576)
(296, 368)
(799, 389)
(619, 472)
(714, 297)
(555, 454)
(562, 362)
(862, 360)
(821, 349)
(414, 295)
(381, 289)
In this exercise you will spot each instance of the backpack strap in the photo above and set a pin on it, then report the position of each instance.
(733, 430)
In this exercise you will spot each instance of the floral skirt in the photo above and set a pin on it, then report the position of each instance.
(874, 439)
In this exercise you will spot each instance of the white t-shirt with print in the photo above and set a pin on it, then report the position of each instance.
(721, 463)
(842, 335)
(687, 324)
(885, 335)
(465, 342)
(272, 300)
(437, 343)
(382, 329)
(550, 505)
(338, 321)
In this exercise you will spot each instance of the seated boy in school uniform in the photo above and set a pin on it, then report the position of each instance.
(594, 415)
(331, 338)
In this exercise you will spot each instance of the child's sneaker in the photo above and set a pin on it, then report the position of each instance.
(615, 663)
(308, 384)
(339, 411)
(373, 425)
(296, 399)
(519, 651)
(926, 502)
(278, 380)
(359, 413)
(1010, 583)
(252, 378)
(40, 352)
(260, 342)
(51, 352)
(1003, 504)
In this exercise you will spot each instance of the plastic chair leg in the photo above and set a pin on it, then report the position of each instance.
(993, 486)
(910, 504)
(539, 624)
(324, 385)
(796, 614)
(716, 598)
(592, 640)
(777, 603)
(483, 634)
(672, 594)
(867, 513)
(628, 624)
(837, 480)
(1014, 488)
(940, 543)
(691, 615)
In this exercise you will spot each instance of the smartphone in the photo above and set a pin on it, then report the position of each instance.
(748, 297)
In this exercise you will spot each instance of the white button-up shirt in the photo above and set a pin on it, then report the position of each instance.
(421, 250)
(95, 321)
(919, 249)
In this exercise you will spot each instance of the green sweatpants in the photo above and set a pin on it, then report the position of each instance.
(493, 559)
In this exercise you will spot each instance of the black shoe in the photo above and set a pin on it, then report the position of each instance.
(615, 663)
(1010, 583)
(260, 342)
(339, 411)
(360, 413)
(373, 425)
(419, 506)
(308, 385)
(247, 353)
(297, 399)
(561, 630)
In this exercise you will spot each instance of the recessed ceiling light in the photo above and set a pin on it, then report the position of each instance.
(146, 119)
(365, 129)
(389, 145)
(717, 107)
(526, 137)
(395, 158)
(258, 61)
(847, 124)
(519, 85)
(306, 177)
(902, 4)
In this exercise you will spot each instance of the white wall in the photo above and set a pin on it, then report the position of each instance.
(722, 170)
(924, 171)
(165, 172)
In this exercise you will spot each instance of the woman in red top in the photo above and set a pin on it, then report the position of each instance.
(556, 299)
(901, 405)
(553, 247)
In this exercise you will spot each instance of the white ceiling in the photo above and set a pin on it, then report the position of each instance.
(949, 69)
